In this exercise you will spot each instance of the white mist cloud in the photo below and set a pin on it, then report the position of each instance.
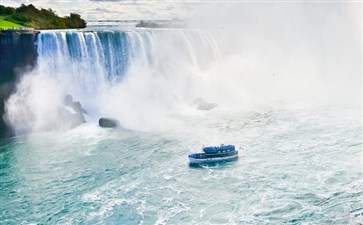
(290, 50)
(35, 106)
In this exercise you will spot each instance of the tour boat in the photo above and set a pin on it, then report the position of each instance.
(213, 154)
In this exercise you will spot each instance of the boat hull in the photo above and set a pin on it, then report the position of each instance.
(213, 159)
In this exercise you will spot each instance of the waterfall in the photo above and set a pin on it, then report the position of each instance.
(144, 77)
(129, 74)
(87, 61)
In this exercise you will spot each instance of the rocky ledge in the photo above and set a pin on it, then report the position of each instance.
(18, 54)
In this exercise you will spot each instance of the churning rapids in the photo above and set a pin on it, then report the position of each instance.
(301, 163)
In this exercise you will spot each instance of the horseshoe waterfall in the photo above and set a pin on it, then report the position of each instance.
(285, 95)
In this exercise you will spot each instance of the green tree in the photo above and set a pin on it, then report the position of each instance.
(30, 16)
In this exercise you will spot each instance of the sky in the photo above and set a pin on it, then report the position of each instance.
(114, 9)
(145, 9)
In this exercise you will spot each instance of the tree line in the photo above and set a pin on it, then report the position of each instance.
(30, 16)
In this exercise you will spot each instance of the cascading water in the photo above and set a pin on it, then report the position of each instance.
(123, 74)
(86, 58)
(89, 59)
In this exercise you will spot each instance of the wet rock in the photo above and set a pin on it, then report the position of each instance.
(72, 112)
(76, 106)
(108, 122)
(18, 55)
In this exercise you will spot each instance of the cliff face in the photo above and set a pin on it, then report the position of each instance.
(17, 54)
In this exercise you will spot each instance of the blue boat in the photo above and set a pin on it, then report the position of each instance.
(213, 154)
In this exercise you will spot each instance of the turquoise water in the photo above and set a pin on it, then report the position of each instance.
(299, 166)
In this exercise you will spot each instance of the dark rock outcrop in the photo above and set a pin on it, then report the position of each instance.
(76, 106)
(73, 112)
(161, 24)
(18, 54)
(146, 24)
(108, 122)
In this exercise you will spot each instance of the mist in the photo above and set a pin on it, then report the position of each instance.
(289, 51)
(236, 55)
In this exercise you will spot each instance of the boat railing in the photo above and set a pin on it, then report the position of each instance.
(197, 155)
(222, 153)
